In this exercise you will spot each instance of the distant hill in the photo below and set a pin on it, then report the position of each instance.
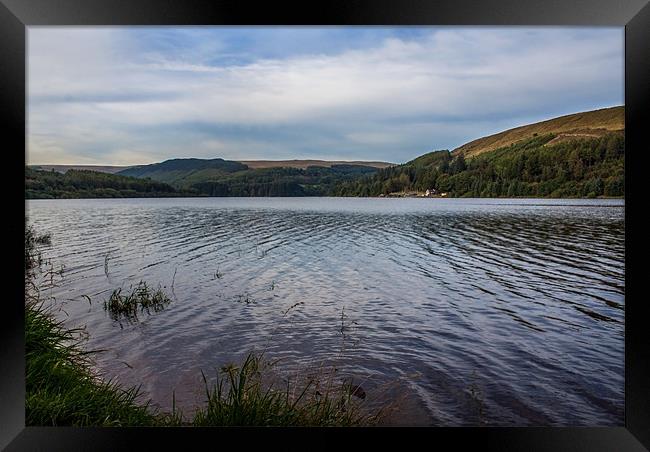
(218, 177)
(64, 168)
(579, 155)
(253, 164)
(256, 164)
(183, 172)
(211, 177)
(589, 124)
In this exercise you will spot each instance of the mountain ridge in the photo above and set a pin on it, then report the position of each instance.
(585, 124)
(253, 164)
(577, 155)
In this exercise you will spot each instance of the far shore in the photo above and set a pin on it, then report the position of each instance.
(382, 196)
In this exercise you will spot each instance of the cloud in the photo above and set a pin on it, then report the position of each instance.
(126, 96)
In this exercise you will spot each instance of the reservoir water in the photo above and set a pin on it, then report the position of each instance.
(469, 311)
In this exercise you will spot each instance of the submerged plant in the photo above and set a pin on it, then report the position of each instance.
(33, 257)
(476, 396)
(142, 298)
(245, 298)
(106, 258)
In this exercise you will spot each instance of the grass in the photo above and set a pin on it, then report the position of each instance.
(596, 121)
(63, 389)
(240, 396)
(33, 258)
(142, 298)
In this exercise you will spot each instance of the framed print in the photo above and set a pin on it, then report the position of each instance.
(355, 218)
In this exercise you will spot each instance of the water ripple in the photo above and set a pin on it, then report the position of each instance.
(492, 312)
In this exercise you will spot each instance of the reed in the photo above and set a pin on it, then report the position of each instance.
(243, 396)
(142, 298)
(61, 388)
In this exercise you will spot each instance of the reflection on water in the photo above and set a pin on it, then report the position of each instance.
(498, 312)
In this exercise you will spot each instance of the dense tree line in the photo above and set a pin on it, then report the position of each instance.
(311, 181)
(576, 168)
(92, 184)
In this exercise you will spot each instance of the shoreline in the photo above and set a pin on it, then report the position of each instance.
(390, 196)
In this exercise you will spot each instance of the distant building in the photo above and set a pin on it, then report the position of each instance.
(431, 192)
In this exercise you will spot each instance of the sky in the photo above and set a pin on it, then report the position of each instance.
(137, 95)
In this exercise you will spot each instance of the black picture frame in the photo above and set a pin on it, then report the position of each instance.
(634, 15)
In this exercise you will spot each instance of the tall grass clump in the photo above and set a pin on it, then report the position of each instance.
(142, 298)
(61, 388)
(241, 397)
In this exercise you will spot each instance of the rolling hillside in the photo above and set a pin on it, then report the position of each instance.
(302, 164)
(579, 155)
(184, 172)
(252, 164)
(218, 177)
(64, 168)
(590, 124)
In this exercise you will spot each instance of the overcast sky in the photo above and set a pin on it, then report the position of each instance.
(125, 96)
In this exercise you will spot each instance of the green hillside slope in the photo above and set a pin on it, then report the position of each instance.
(533, 168)
(588, 124)
(218, 177)
(183, 172)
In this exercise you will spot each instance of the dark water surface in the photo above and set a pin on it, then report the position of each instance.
(472, 311)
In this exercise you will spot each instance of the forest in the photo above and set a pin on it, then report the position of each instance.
(580, 168)
(311, 181)
(92, 184)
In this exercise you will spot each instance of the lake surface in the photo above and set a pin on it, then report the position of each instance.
(469, 311)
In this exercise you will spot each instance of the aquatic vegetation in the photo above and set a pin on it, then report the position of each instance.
(141, 299)
(292, 307)
(245, 298)
(476, 397)
(33, 257)
(106, 258)
(242, 396)
(62, 387)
